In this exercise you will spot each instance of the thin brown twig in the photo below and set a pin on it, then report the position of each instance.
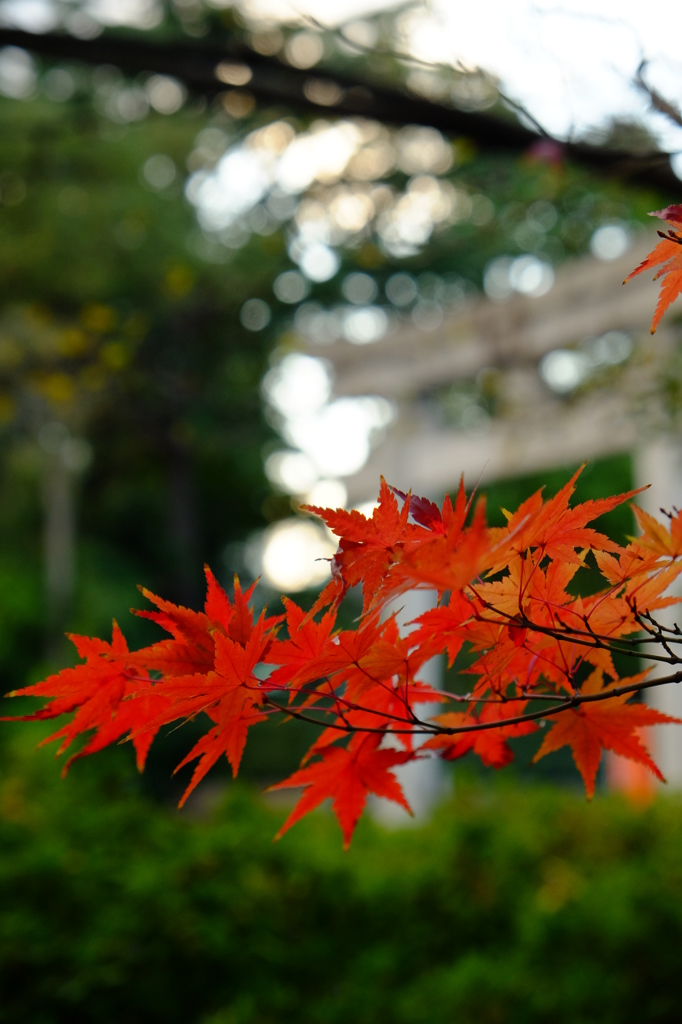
(426, 728)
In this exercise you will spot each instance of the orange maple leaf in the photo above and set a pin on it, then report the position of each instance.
(655, 537)
(669, 253)
(611, 724)
(554, 528)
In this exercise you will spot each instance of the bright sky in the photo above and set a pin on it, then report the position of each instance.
(570, 63)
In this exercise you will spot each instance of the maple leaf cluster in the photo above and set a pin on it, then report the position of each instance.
(535, 654)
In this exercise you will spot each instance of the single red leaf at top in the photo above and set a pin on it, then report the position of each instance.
(423, 511)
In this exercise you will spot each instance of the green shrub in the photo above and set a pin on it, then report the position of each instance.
(510, 906)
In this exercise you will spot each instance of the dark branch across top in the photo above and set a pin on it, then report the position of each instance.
(272, 82)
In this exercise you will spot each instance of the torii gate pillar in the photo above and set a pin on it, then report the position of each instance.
(659, 463)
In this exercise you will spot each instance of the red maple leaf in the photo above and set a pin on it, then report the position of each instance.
(490, 744)
(366, 546)
(347, 775)
(231, 696)
(669, 253)
(102, 694)
(505, 595)
(426, 512)
(192, 649)
(441, 629)
(305, 655)
(234, 715)
(191, 694)
(611, 724)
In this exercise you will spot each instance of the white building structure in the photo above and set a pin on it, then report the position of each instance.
(574, 374)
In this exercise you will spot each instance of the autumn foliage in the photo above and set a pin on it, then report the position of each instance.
(527, 651)
(668, 256)
(533, 654)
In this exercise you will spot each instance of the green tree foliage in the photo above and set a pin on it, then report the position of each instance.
(113, 329)
(120, 314)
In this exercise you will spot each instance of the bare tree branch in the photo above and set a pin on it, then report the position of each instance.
(272, 82)
(658, 102)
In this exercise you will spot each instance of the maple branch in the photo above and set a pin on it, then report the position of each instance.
(656, 634)
(333, 695)
(662, 628)
(572, 702)
(567, 705)
(520, 662)
(347, 727)
(350, 705)
(425, 728)
(586, 638)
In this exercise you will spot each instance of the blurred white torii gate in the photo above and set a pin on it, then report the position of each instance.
(536, 429)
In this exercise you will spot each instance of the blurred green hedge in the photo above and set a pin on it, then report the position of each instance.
(513, 905)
